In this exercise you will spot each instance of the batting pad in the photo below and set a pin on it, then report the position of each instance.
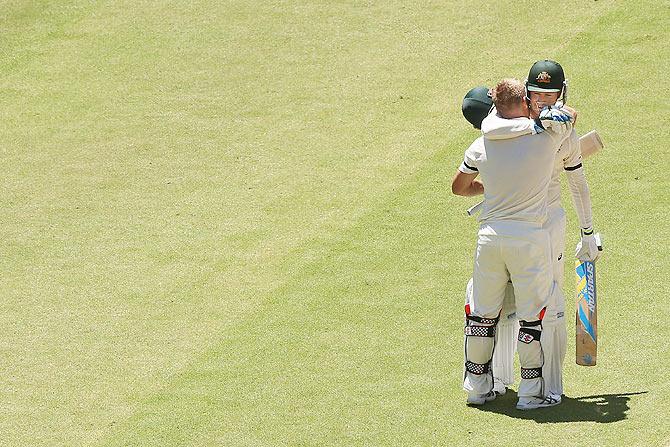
(503, 356)
(531, 358)
(554, 342)
(478, 384)
(508, 327)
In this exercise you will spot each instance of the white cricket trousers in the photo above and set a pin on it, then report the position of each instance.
(520, 251)
(554, 332)
(516, 251)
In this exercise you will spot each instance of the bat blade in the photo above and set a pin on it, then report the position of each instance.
(586, 314)
(590, 143)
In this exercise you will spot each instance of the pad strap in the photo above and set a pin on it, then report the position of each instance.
(531, 373)
(477, 368)
(480, 331)
(524, 323)
(483, 320)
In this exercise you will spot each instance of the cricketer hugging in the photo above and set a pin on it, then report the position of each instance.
(514, 301)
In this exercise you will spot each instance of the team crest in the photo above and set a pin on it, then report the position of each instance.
(544, 77)
(525, 338)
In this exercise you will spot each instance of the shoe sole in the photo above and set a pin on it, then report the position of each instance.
(535, 407)
(477, 403)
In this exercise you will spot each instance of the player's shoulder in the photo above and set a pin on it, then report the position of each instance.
(475, 152)
(477, 145)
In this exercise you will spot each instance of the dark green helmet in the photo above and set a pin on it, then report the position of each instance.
(546, 76)
(476, 105)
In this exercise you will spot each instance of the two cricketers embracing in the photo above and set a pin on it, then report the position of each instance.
(515, 299)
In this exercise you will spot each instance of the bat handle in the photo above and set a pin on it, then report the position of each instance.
(598, 240)
(475, 208)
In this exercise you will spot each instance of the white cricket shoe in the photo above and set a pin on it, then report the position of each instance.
(531, 403)
(499, 387)
(480, 399)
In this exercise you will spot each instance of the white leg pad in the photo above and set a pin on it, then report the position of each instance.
(506, 335)
(554, 342)
(503, 356)
(479, 350)
(477, 384)
(531, 358)
(505, 366)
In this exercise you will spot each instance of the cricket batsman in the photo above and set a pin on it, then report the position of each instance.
(544, 86)
(477, 105)
(512, 244)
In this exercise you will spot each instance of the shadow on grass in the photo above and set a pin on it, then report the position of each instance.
(603, 408)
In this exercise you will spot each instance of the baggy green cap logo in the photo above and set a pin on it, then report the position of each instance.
(546, 76)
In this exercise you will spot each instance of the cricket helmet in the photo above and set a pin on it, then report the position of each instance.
(546, 76)
(476, 105)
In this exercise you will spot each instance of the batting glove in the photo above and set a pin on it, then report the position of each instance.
(555, 114)
(538, 127)
(588, 249)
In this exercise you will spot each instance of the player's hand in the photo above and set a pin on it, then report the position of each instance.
(587, 248)
(555, 119)
(561, 115)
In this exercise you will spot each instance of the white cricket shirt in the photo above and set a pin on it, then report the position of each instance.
(516, 173)
(568, 156)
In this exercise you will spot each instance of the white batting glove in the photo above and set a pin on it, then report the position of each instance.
(589, 248)
(555, 118)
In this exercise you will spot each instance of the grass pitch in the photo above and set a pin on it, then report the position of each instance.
(229, 223)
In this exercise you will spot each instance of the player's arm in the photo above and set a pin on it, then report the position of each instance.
(581, 196)
(587, 249)
(466, 184)
(579, 187)
(495, 127)
(558, 119)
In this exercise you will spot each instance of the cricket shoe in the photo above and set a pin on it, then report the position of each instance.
(499, 387)
(480, 399)
(532, 403)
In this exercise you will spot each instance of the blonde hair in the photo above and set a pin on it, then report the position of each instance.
(508, 94)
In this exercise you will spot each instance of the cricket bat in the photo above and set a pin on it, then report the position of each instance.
(590, 143)
(586, 314)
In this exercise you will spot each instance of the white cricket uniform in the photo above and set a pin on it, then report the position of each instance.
(568, 159)
(512, 244)
(516, 174)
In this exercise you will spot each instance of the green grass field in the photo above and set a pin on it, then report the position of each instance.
(230, 223)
